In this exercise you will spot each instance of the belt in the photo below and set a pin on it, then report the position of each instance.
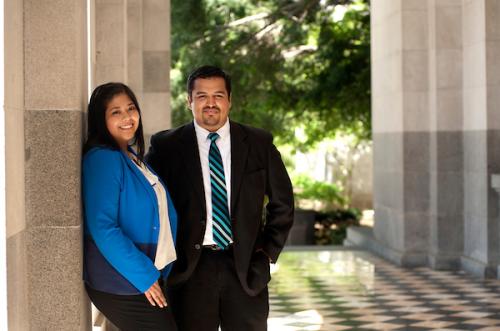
(217, 248)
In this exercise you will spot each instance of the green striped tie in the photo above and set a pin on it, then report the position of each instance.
(220, 212)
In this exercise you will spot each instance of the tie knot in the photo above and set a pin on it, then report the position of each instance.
(213, 136)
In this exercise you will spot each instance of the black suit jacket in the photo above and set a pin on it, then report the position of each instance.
(257, 171)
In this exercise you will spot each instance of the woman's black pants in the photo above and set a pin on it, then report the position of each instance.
(132, 312)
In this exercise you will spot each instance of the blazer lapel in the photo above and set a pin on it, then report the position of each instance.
(191, 158)
(239, 153)
(142, 179)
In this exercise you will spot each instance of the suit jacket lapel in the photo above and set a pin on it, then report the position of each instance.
(191, 158)
(239, 153)
(142, 179)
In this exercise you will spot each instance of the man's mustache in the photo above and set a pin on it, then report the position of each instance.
(210, 108)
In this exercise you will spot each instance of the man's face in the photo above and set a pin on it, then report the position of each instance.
(209, 103)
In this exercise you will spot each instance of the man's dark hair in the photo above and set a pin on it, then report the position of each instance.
(208, 72)
(97, 131)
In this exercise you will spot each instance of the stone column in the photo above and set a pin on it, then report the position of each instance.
(400, 129)
(481, 103)
(495, 184)
(446, 150)
(3, 198)
(16, 230)
(134, 47)
(436, 131)
(45, 81)
(156, 66)
(110, 54)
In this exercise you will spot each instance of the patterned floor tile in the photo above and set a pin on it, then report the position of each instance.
(339, 327)
(433, 324)
(472, 314)
(381, 326)
(354, 290)
(484, 321)
(460, 308)
(421, 317)
(450, 302)
(413, 310)
(374, 318)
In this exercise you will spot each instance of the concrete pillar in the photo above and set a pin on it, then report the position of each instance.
(156, 66)
(45, 93)
(446, 148)
(134, 47)
(495, 184)
(3, 198)
(110, 33)
(400, 129)
(436, 134)
(15, 168)
(481, 101)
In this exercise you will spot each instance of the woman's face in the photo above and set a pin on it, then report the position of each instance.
(122, 119)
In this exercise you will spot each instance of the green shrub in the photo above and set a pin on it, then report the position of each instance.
(331, 215)
(331, 227)
(308, 191)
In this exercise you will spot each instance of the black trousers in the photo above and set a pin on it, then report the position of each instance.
(132, 312)
(213, 297)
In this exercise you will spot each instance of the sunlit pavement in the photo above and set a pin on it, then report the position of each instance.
(339, 289)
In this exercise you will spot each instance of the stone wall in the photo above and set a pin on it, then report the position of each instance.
(131, 44)
(45, 93)
(435, 85)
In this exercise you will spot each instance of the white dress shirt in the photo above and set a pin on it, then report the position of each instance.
(165, 250)
(224, 145)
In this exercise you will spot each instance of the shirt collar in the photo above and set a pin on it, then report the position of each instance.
(203, 133)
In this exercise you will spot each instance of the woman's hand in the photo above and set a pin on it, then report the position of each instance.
(155, 295)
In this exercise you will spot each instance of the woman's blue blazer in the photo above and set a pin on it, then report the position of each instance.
(121, 224)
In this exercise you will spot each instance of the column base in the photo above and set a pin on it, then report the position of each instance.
(359, 236)
(479, 268)
(442, 261)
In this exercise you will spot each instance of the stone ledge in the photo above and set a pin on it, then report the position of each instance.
(315, 248)
(478, 268)
(441, 261)
(363, 237)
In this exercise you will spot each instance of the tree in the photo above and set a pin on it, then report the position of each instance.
(295, 64)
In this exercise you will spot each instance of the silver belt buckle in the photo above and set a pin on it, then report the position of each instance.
(213, 247)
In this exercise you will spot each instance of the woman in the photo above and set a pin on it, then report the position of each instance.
(130, 221)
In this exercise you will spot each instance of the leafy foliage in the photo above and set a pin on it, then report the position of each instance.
(306, 188)
(294, 64)
(331, 227)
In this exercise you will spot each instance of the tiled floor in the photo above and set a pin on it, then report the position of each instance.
(354, 290)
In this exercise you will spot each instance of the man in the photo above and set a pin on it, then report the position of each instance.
(219, 173)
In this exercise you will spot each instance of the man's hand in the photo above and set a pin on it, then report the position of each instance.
(155, 296)
(260, 250)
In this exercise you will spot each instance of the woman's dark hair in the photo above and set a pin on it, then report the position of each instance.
(97, 131)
